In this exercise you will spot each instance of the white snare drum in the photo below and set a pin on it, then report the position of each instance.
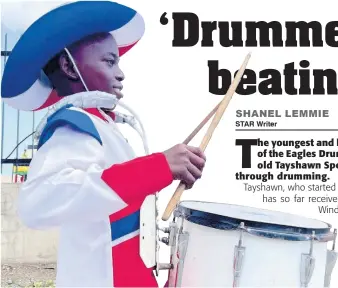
(222, 245)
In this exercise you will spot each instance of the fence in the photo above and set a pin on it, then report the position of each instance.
(18, 243)
(16, 166)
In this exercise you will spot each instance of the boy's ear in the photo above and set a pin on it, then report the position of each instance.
(67, 67)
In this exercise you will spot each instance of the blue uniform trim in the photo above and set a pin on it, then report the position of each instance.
(125, 226)
(77, 120)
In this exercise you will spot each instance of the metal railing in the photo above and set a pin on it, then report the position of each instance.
(16, 161)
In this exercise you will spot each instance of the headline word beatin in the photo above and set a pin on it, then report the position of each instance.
(188, 31)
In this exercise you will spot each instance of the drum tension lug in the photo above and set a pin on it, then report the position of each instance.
(238, 257)
(307, 265)
(183, 239)
(178, 214)
(334, 240)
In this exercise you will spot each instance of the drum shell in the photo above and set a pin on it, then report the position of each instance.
(268, 262)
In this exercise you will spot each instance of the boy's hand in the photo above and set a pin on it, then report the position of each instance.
(186, 163)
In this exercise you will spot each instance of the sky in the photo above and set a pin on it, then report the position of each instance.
(21, 123)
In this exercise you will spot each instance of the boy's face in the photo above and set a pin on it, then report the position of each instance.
(98, 65)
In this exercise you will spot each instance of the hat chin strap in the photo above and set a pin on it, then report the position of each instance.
(76, 69)
(96, 99)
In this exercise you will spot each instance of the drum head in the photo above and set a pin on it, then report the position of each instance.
(227, 216)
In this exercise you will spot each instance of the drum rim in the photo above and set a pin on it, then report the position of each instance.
(222, 222)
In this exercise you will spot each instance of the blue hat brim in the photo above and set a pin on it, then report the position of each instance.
(54, 31)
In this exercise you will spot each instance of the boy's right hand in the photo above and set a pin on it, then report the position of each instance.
(186, 163)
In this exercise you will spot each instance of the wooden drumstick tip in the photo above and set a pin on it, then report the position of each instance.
(173, 201)
(248, 56)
